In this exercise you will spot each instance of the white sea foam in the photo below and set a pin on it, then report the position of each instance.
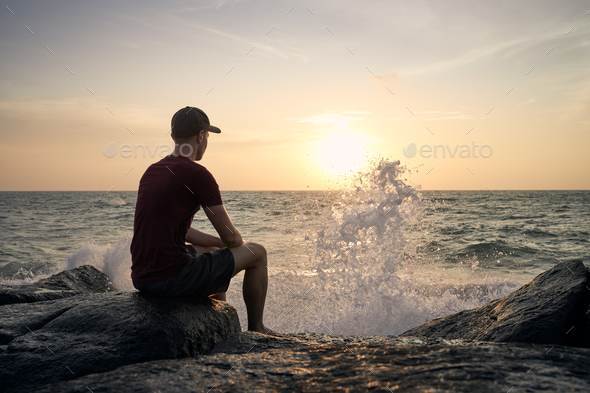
(113, 260)
(115, 201)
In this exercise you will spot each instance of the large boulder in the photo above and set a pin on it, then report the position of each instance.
(51, 341)
(551, 309)
(79, 281)
(384, 367)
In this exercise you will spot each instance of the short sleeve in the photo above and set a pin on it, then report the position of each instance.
(207, 189)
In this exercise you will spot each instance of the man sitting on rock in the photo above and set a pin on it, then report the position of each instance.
(170, 192)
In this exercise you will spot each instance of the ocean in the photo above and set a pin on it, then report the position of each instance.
(376, 258)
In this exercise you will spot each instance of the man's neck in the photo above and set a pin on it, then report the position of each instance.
(176, 153)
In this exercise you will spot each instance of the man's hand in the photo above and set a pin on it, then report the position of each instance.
(228, 233)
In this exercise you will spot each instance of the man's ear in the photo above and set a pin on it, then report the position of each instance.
(200, 136)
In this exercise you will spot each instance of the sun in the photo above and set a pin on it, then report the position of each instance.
(341, 154)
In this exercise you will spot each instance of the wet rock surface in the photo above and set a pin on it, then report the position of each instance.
(129, 342)
(51, 341)
(251, 342)
(551, 309)
(383, 367)
(79, 281)
(247, 342)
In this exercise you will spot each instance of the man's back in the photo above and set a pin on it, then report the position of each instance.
(170, 193)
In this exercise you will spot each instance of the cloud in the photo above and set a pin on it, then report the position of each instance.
(529, 101)
(258, 46)
(507, 48)
(385, 78)
(73, 118)
(178, 25)
(437, 112)
(437, 115)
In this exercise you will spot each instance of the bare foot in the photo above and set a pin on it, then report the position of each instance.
(270, 332)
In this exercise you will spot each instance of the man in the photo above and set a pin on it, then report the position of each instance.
(170, 192)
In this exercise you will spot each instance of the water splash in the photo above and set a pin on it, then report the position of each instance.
(112, 260)
(364, 276)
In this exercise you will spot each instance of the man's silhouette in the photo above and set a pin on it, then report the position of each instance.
(170, 192)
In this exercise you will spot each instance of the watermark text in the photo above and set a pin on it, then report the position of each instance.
(438, 150)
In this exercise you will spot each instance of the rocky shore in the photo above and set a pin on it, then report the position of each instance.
(73, 333)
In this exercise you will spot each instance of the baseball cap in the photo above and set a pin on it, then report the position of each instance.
(190, 121)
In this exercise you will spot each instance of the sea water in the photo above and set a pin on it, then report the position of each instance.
(376, 257)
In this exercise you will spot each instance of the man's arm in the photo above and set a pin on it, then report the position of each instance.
(229, 234)
(198, 238)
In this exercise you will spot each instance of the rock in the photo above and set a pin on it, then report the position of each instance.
(353, 340)
(251, 342)
(385, 367)
(246, 342)
(548, 310)
(81, 280)
(51, 341)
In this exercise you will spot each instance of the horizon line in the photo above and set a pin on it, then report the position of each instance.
(302, 190)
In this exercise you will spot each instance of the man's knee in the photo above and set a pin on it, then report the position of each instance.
(248, 255)
(257, 249)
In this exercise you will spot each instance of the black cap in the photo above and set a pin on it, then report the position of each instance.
(190, 121)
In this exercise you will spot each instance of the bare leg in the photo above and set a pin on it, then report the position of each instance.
(251, 257)
(254, 291)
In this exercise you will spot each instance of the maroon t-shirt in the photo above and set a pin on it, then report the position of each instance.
(170, 192)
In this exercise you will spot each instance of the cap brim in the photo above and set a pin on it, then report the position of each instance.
(214, 129)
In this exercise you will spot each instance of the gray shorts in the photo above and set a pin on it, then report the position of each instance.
(205, 275)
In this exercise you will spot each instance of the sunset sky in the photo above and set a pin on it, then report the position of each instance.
(302, 91)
